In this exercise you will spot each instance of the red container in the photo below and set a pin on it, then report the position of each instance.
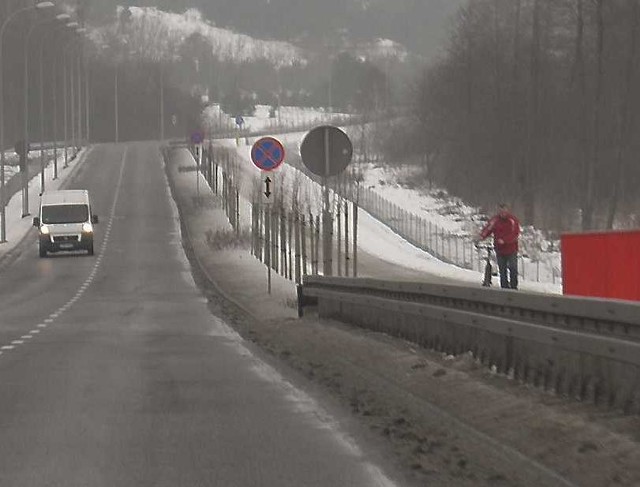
(602, 264)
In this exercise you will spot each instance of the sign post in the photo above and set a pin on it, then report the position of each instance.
(22, 149)
(326, 151)
(267, 155)
(197, 138)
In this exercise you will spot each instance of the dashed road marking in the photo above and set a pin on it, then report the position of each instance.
(96, 266)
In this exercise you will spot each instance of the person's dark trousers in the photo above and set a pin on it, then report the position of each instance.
(508, 263)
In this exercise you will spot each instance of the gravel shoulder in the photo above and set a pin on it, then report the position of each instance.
(439, 420)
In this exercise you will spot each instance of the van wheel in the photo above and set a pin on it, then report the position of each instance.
(43, 251)
(90, 249)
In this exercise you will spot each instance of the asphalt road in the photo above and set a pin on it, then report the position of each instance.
(113, 372)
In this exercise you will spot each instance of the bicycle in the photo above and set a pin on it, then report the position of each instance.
(488, 268)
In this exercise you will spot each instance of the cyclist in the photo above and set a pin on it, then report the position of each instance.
(505, 228)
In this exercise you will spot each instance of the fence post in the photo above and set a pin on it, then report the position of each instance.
(317, 245)
(346, 238)
(312, 242)
(290, 245)
(237, 215)
(339, 240)
(274, 238)
(267, 237)
(355, 239)
(284, 269)
(296, 229)
(254, 230)
(303, 244)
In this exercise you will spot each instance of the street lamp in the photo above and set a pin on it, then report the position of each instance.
(80, 90)
(74, 86)
(70, 25)
(3, 224)
(25, 175)
(55, 98)
(55, 152)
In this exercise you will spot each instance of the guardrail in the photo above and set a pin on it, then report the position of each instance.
(588, 349)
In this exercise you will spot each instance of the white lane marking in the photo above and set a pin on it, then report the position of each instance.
(52, 317)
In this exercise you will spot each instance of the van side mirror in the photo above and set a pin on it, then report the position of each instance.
(94, 219)
(36, 222)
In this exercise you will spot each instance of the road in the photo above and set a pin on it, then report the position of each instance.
(113, 371)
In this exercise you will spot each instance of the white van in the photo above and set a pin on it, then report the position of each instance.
(65, 221)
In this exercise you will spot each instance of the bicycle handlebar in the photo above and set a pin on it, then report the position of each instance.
(484, 247)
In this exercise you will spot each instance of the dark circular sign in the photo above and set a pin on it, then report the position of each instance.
(267, 154)
(326, 151)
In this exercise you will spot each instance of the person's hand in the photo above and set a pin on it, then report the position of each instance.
(499, 241)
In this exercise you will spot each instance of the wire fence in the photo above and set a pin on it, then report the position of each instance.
(448, 246)
(303, 225)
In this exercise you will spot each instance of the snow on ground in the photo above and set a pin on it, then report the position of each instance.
(375, 237)
(215, 119)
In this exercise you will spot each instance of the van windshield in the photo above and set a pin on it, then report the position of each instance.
(64, 214)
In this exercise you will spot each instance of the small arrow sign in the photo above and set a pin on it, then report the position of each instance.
(267, 183)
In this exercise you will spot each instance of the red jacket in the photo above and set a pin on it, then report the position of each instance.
(506, 231)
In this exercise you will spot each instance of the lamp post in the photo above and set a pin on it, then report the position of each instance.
(70, 100)
(3, 225)
(117, 115)
(79, 89)
(55, 151)
(71, 25)
(55, 72)
(25, 175)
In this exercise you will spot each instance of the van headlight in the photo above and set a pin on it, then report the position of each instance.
(87, 228)
(44, 230)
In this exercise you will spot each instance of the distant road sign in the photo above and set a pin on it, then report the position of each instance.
(326, 151)
(267, 153)
(197, 137)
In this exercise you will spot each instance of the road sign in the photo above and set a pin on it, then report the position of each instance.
(267, 154)
(267, 184)
(197, 137)
(326, 151)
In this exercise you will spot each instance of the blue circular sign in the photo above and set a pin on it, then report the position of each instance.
(197, 137)
(267, 154)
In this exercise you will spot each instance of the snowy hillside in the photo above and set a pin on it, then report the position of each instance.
(153, 34)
